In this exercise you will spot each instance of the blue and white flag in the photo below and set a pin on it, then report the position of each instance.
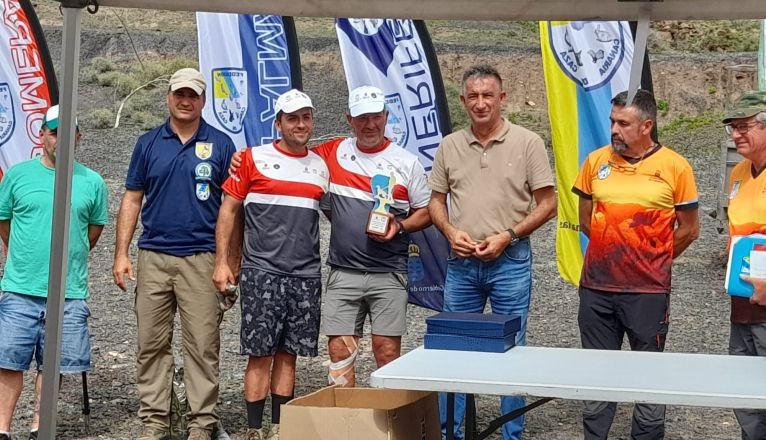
(27, 83)
(397, 57)
(247, 61)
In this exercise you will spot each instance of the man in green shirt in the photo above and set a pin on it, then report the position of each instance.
(26, 215)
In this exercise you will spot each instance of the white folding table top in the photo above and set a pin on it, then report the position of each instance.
(616, 376)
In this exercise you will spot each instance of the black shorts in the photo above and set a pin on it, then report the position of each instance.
(279, 312)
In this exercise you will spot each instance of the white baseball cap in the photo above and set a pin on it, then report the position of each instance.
(292, 101)
(366, 99)
(51, 119)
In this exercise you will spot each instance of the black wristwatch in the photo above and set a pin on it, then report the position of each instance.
(514, 238)
(401, 228)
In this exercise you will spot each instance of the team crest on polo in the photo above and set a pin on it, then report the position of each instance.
(589, 52)
(397, 127)
(604, 171)
(7, 116)
(203, 191)
(734, 189)
(230, 98)
(203, 150)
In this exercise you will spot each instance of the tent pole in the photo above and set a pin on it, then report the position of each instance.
(70, 59)
(639, 52)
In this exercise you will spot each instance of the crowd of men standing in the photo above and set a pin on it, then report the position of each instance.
(214, 218)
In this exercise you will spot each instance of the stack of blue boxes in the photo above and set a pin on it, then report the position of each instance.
(471, 331)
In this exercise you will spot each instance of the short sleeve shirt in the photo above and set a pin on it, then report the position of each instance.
(26, 199)
(182, 188)
(490, 188)
(747, 215)
(281, 193)
(633, 220)
(353, 173)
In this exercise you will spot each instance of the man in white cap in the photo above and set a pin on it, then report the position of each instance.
(280, 185)
(174, 180)
(368, 274)
(26, 215)
(368, 270)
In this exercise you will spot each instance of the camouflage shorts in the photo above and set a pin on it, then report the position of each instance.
(279, 312)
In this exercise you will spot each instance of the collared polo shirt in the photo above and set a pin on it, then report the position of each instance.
(490, 187)
(630, 246)
(747, 215)
(182, 188)
(354, 174)
(281, 193)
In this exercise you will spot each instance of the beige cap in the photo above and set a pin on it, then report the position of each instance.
(366, 99)
(188, 78)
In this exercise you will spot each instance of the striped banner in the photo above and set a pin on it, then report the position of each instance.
(27, 83)
(248, 61)
(397, 56)
(585, 64)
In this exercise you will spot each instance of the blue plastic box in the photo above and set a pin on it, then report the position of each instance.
(484, 325)
(469, 343)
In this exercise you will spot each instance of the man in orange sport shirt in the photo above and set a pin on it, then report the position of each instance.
(639, 209)
(746, 124)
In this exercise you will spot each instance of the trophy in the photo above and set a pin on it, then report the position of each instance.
(383, 193)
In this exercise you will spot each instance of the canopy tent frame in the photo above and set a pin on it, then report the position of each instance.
(641, 10)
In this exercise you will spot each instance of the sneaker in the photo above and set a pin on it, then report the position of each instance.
(255, 434)
(7, 436)
(33, 434)
(273, 432)
(154, 434)
(198, 434)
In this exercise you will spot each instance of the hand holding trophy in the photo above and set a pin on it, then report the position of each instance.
(379, 219)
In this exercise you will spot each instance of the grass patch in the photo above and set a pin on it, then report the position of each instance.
(685, 123)
(126, 76)
(457, 114)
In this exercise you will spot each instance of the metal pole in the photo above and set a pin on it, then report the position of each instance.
(70, 59)
(639, 51)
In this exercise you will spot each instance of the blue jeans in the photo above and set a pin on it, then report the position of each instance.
(22, 333)
(507, 283)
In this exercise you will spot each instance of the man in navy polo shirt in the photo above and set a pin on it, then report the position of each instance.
(178, 169)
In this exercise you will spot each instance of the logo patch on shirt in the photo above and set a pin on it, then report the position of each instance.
(604, 171)
(734, 189)
(203, 171)
(203, 191)
(203, 150)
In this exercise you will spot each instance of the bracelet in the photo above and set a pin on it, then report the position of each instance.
(401, 228)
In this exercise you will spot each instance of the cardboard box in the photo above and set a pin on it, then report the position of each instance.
(337, 413)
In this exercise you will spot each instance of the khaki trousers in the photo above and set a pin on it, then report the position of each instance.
(166, 283)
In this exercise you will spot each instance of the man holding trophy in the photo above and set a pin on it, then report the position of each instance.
(378, 194)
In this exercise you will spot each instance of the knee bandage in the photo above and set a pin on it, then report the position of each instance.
(339, 370)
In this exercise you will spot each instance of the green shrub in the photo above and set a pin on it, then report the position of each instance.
(101, 65)
(100, 118)
(145, 120)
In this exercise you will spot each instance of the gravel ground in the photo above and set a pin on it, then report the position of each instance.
(699, 306)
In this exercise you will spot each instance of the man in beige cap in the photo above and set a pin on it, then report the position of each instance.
(746, 124)
(174, 181)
